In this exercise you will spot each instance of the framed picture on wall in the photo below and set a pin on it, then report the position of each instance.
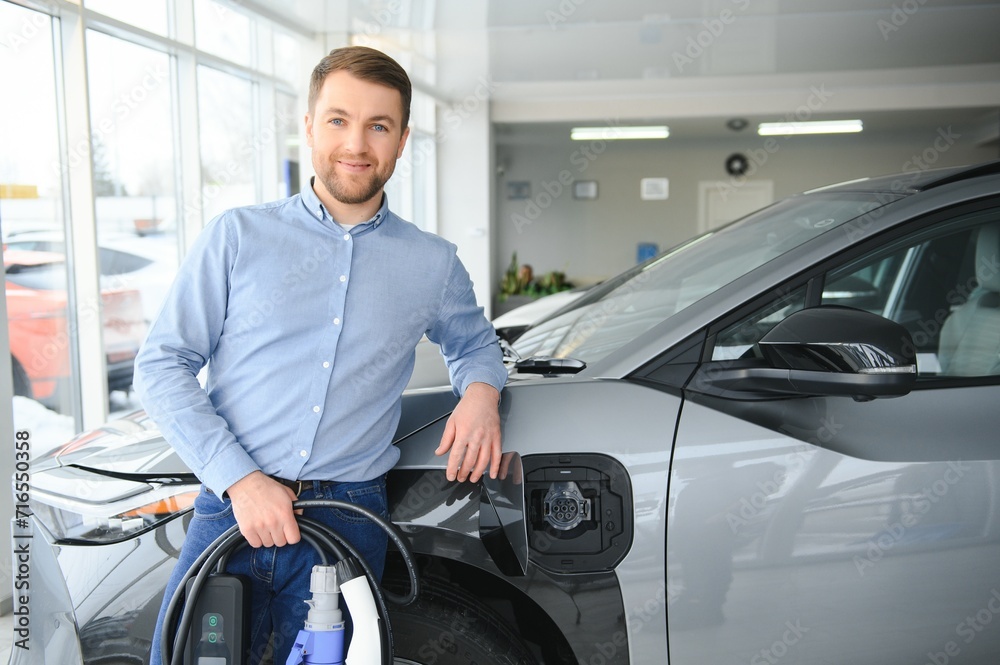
(654, 189)
(585, 189)
(518, 189)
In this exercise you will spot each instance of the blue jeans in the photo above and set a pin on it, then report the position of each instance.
(279, 576)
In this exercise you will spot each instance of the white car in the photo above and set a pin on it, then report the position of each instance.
(126, 262)
(511, 324)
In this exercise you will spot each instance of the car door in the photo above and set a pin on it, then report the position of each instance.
(829, 530)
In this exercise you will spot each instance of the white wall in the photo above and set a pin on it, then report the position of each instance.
(464, 152)
(592, 240)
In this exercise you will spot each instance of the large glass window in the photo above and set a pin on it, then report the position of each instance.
(288, 59)
(223, 31)
(412, 190)
(136, 207)
(149, 15)
(229, 154)
(288, 122)
(37, 289)
(147, 141)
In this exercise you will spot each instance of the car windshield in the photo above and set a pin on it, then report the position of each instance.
(42, 276)
(625, 307)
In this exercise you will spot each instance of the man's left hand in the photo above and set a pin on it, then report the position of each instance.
(472, 435)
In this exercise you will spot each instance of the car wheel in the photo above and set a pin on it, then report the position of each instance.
(446, 626)
(22, 385)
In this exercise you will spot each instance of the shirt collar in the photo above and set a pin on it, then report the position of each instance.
(316, 208)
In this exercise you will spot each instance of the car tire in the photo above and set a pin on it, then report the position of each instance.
(22, 385)
(447, 626)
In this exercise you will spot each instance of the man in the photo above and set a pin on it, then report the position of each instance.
(307, 312)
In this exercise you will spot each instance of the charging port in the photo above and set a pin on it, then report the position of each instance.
(579, 511)
(564, 506)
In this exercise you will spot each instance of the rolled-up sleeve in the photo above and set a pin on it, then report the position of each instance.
(467, 339)
(178, 346)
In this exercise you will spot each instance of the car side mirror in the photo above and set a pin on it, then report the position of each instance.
(824, 351)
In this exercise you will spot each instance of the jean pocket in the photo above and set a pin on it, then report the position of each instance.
(372, 497)
(208, 506)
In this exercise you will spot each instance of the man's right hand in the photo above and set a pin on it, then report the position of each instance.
(263, 509)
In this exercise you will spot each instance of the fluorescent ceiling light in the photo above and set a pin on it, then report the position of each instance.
(610, 133)
(818, 127)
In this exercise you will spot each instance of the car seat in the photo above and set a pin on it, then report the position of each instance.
(970, 337)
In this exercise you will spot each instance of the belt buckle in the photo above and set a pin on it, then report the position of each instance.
(298, 490)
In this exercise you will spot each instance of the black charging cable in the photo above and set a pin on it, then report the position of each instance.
(322, 538)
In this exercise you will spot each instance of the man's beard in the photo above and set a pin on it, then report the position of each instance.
(353, 191)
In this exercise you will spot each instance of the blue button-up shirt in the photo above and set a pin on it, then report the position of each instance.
(308, 331)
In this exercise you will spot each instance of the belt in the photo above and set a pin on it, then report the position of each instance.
(297, 485)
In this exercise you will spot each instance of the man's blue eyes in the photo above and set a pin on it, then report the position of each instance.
(339, 123)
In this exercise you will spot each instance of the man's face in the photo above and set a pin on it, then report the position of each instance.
(356, 137)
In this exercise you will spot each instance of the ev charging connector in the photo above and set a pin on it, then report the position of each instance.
(321, 641)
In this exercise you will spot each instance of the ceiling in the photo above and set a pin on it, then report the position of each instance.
(693, 63)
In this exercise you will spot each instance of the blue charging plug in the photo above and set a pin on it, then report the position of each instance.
(321, 642)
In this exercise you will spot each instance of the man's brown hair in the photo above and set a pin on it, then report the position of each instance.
(366, 64)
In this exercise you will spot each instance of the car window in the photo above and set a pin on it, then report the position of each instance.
(942, 284)
(943, 287)
(621, 309)
(735, 340)
(44, 277)
(117, 262)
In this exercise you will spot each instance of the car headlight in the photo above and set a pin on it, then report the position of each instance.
(83, 522)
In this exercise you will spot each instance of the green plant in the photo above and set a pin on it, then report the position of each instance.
(519, 280)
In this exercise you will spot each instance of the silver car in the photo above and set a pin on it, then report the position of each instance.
(777, 442)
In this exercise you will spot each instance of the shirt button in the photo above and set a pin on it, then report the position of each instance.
(336, 322)
(347, 236)
(326, 365)
(315, 409)
(343, 278)
(302, 453)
